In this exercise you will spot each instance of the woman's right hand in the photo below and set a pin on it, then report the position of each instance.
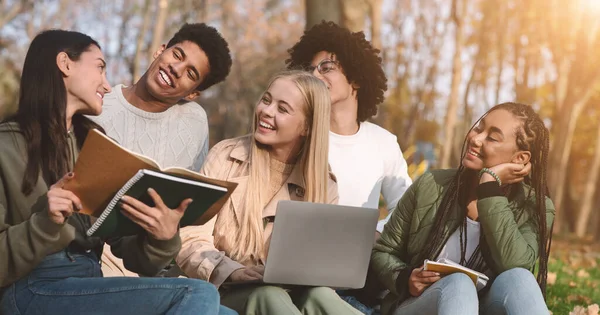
(420, 280)
(61, 202)
(247, 273)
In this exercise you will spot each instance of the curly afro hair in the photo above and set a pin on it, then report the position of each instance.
(213, 44)
(360, 61)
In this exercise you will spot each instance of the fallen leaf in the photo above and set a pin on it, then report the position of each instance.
(579, 298)
(593, 309)
(578, 310)
(551, 279)
(582, 274)
(572, 284)
(568, 271)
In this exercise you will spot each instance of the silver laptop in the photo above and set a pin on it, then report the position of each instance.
(320, 245)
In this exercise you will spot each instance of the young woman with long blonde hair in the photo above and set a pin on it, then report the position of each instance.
(285, 158)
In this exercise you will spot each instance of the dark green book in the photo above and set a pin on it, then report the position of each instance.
(172, 189)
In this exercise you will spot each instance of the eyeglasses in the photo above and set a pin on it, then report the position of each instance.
(325, 66)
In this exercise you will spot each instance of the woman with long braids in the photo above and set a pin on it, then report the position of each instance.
(492, 215)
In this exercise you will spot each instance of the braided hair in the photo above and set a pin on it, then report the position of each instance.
(533, 136)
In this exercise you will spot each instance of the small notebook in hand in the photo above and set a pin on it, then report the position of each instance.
(446, 267)
(104, 169)
(173, 190)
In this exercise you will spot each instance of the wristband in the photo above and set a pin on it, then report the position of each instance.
(489, 171)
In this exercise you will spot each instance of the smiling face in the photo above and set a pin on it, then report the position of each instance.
(339, 88)
(280, 116)
(176, 72)
(494, 141)
(85, 81)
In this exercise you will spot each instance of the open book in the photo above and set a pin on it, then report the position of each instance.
(446, 267)
(104, 168)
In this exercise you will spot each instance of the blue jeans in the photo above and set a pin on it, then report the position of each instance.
(68, 283)
(514, 292)
(367, 310)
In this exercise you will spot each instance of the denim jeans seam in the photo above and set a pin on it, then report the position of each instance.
(184, 299)
(108, 290)
(11, 295)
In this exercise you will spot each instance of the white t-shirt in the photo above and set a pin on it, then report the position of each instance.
(451, 250)
(367, 164)
(175, 137)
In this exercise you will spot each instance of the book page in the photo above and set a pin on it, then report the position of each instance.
(446, 269)
(144, 158)
(102, 168)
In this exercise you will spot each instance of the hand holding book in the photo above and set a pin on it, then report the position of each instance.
(159, 221)
(420, 280)
(106, 172)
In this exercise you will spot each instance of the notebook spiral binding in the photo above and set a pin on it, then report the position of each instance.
(114, 202)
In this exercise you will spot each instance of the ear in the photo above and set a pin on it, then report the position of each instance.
(521, 157)
(305, 131)
(159, 51)
(192, 96)
(64, 63)
(355, 86)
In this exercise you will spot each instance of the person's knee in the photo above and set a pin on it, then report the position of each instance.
(516, 291)
(320, 293)
(267, 294)
(207, 290)
(459, 284)
(515, 275)
(517, 281)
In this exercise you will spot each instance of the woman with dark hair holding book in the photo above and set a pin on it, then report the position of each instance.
(491, 215)
(47, 263)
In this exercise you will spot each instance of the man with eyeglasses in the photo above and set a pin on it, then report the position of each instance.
(365, 158)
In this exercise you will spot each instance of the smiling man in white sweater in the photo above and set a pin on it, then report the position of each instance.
(365, 158)
(157, 117)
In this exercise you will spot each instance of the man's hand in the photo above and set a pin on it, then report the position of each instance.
(247, 273)
(61, 202)
(159, 221)
(420, 280)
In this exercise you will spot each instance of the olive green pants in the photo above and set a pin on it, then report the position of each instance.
(272, 300)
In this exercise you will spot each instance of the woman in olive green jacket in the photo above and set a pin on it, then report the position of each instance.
(491, 215)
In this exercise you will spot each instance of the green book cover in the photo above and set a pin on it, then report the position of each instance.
(172, 189)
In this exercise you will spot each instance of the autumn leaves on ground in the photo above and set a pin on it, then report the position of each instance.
(574, 277)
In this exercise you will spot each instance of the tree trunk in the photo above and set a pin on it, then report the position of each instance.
(135, 66)
(159, 27)
(375, 8)
(11, 14)
(561, 151)
(354, 14)
(318, 10)
(450, 120)
(587, 203)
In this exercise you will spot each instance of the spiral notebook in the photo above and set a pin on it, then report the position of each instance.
(104, 169)
(173, 190)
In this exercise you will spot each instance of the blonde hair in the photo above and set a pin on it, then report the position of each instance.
(248, 241)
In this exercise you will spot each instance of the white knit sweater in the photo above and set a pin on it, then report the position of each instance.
(175, 137)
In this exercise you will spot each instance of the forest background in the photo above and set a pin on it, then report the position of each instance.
(447, 62)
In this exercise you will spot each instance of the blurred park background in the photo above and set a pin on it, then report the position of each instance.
(447, 62)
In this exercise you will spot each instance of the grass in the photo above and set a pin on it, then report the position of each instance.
(573, 277)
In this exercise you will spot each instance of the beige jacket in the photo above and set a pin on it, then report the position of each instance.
(198, 257)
